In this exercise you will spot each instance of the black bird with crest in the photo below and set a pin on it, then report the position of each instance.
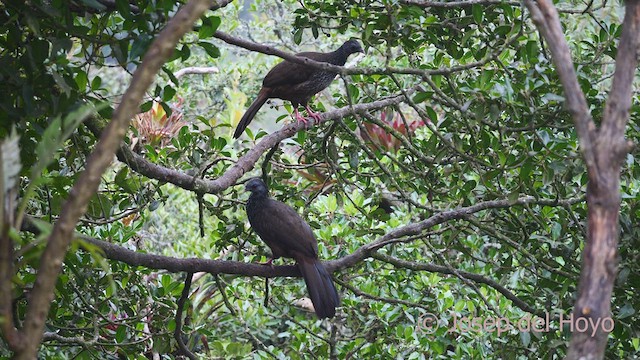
(297, 82)
(288, 235)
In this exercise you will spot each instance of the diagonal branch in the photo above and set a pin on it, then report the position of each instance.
(177, 334)
(400, 263)
(244, 164)
(88, 182)
(437, 219)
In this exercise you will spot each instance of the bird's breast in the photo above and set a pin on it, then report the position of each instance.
(321, 80)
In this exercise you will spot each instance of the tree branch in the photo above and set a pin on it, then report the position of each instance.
(193, 265)
(88, 182)
(270, 50)
(603, 153)
(177, 334)
(244, 164)
(464, 274)
(196, 70)
(437, 219)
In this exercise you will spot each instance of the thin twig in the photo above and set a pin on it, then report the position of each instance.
(177, 334)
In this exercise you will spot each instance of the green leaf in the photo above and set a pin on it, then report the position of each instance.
(420, 97)
(625, 311)
(209, 26)
(525, 169)
(39, 50)
(556, 230)
(297, 37)
(99, 206)
(95, 83)
(469, 186)
(525, 337)
(185, 52)
(58, 131)
(478, 13)
(210, 49)
(121, 51)
(433, 116)
(146, 106)
(168, 92)
(81, 80)
(171, 76)
(33, 23)
(124, 9)
(140, 46)
(121, 333)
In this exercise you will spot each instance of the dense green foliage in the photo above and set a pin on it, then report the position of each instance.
(488, 125)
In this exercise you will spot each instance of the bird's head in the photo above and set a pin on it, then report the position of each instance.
(352, 46)
(256, 186)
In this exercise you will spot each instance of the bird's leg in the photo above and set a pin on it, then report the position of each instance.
(312, 114)
(299, 117)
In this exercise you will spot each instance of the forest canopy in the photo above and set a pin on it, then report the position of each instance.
(471, 180)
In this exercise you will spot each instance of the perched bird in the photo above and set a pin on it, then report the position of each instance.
(288, 235)
(298, 83)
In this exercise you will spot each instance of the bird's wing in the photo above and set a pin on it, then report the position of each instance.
(289, 73)
(288, 230)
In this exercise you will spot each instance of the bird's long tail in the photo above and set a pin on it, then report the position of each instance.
(321, 290)
(251, 112)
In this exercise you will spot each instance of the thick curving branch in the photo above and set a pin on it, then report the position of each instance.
(88, 182)
(440, 218)
(194, 265)
(245, 163)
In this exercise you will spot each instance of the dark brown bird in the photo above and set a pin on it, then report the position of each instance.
(288, 235)
(298, 83)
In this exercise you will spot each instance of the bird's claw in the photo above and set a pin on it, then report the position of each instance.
(299, 118)
(314, 115)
